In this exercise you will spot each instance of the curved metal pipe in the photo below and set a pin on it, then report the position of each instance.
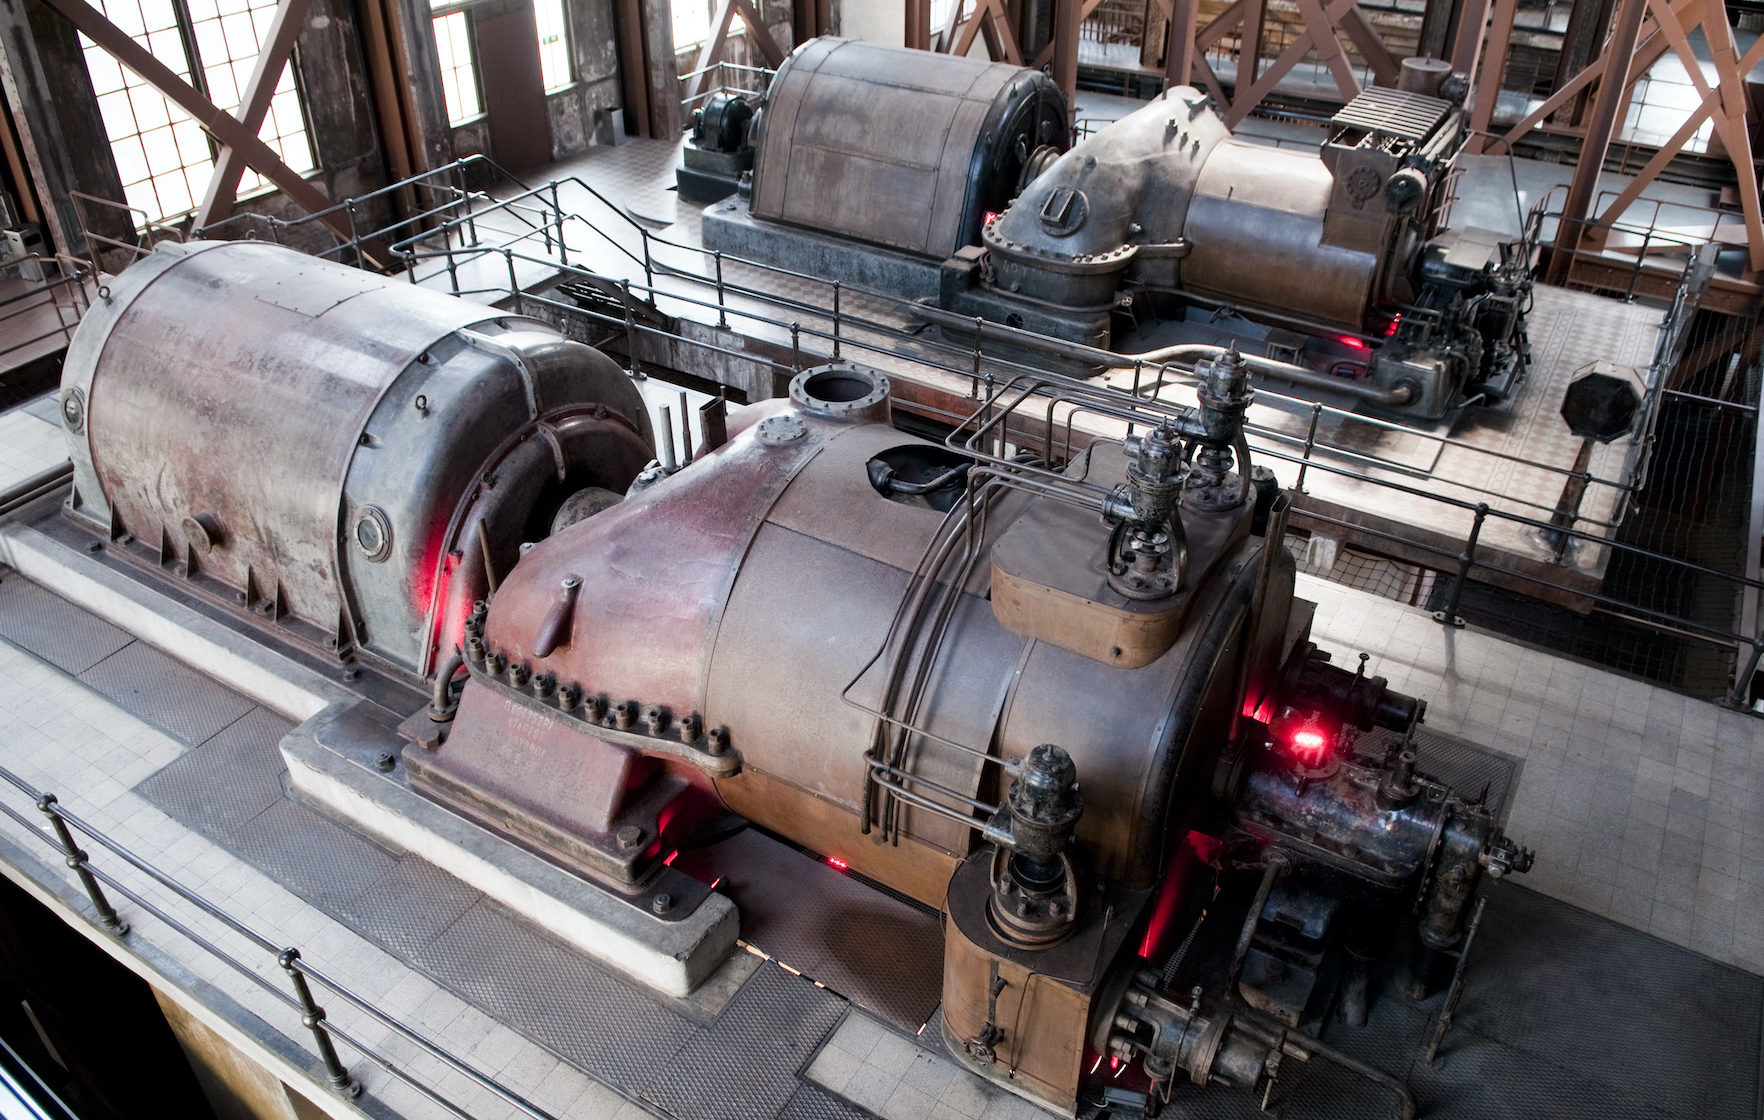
(442, 703)
(1393, 397)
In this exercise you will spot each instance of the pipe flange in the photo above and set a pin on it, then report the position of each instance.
(777, 431)
(1144, 586)
(842, 391)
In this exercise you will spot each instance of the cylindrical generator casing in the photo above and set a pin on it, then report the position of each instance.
(851, 131)
(304, 439)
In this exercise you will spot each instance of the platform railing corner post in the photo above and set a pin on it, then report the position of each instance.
(76, 860)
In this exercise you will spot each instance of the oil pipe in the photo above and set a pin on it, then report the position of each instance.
(1187, 351)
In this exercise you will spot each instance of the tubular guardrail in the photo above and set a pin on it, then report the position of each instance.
(301, 974)
(456, 237)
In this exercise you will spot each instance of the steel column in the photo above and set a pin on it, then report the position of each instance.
(1491, 70)
(1608, 109)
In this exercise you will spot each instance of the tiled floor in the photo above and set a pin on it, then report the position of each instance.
(883, 1071)
(1643, 805)
(28, 444)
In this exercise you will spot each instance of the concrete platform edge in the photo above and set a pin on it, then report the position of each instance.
(673, 958)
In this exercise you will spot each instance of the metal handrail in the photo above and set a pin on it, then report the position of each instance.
(455, 242)
(301, 973)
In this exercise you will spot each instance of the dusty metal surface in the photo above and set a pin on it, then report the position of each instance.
(852, 128)
(314, 462)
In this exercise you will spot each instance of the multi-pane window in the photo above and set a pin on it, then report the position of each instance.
(459, 73)
(228, 34)
(554, 44)
(162, 156)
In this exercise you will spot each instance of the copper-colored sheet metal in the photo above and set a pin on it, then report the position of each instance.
(883, 954)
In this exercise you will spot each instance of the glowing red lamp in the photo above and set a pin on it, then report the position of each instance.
(1303, 736)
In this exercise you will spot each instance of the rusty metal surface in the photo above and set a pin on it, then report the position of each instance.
(656, 572)
(851, 129)
(179, 411)
(300, 434)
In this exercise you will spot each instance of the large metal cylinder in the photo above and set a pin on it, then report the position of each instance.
(324, 447)
(902, 148)
(754, 587)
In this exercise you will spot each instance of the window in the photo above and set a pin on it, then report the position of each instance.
(163, 157)
(691, 24)
(554, 44)
(940, 13)
(459, 73)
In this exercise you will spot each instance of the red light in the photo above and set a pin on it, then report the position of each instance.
(1114, 1062)
(1395, 322)
(1309, 745)
(1353, 343)
(669, 861)
(837, 863)
(991, 216)
(1095, 1064)
(1305, 738)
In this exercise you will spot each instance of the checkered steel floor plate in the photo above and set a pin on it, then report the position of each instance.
(555, 997)
(747, 1063)
(245, 760)
(1567, 1014)
(408, 907)
(49, 626)
(811, 1102)
(164, 692)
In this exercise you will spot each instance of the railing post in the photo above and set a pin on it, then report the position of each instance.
(648, 264)
(974, 379)
(1466, 560)
(796, 347)
(465, 196)
(312, 1017)
(631, 334)
(563, 249)
(1742, 683)
(76, 859)
(1310, 445)
(722, 307)
(1641, 256)
(836, 320)
(354, 233)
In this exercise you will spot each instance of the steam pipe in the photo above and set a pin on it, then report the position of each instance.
(1186, 351)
